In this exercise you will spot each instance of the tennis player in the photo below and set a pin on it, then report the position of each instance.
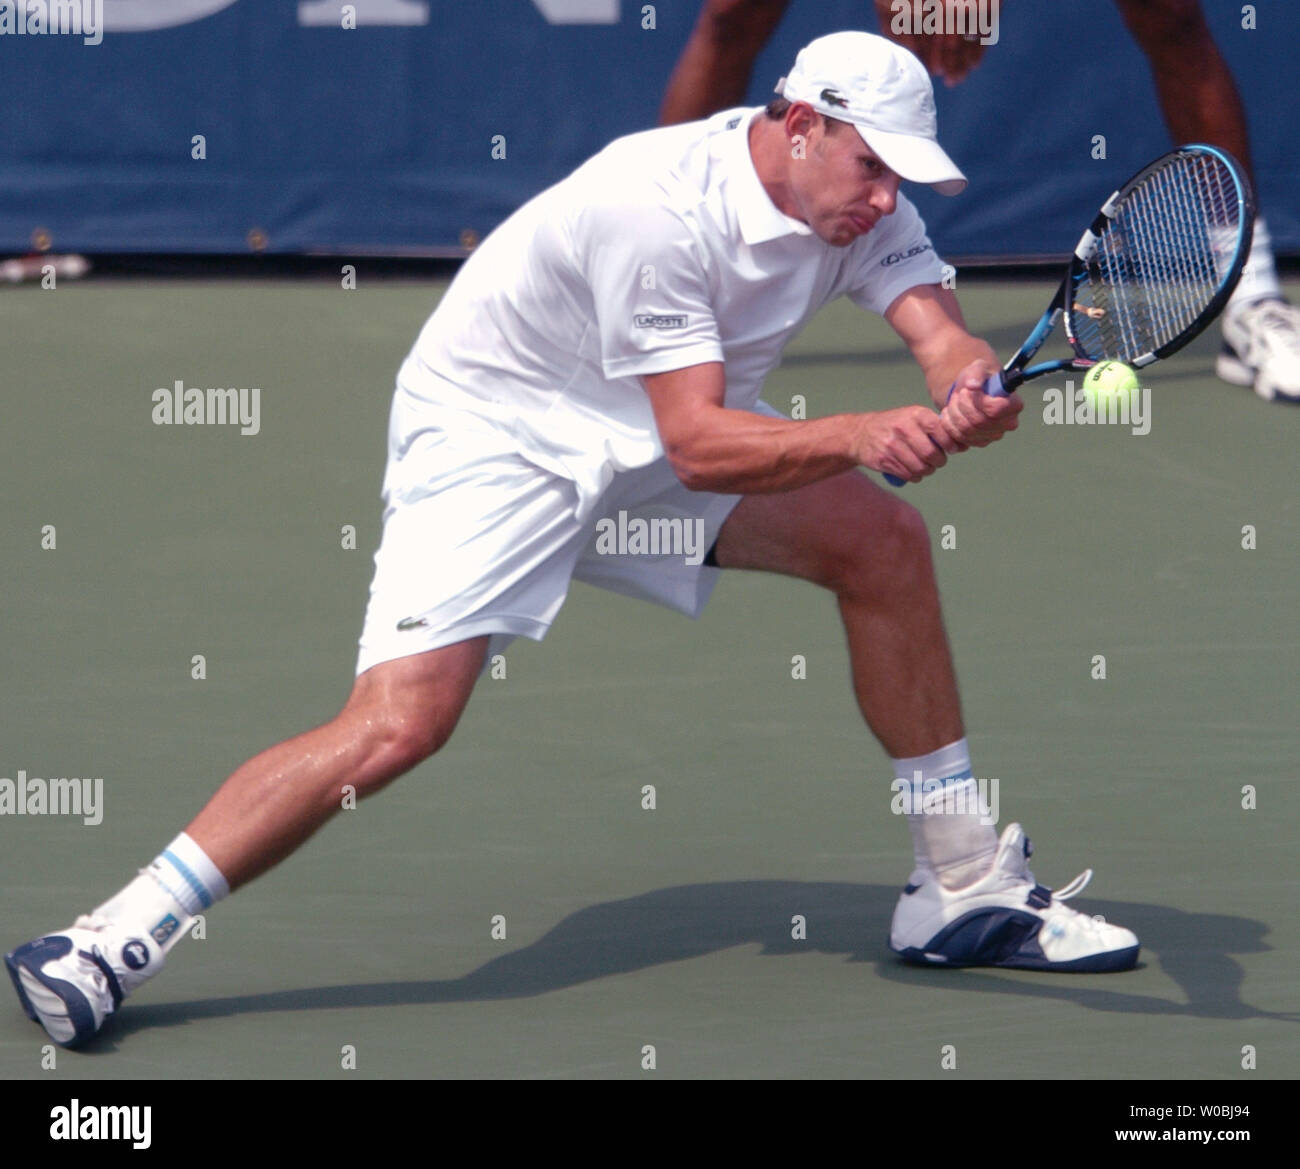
(1197, 94)
(601, 355)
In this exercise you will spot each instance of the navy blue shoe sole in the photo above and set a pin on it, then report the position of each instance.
(1006, 938)
(1111, 962)
(12, 967)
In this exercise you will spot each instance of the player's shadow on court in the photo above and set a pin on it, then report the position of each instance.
(677, 924)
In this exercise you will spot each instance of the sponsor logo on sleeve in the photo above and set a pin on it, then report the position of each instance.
(655, 321)
(898, 257)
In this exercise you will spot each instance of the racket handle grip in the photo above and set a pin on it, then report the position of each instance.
(994, 387)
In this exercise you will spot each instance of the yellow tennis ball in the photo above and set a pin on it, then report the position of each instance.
(1109, 379)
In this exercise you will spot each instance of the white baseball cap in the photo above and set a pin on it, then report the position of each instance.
(886, 93)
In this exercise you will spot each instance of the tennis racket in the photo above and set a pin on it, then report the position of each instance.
(1156, 266)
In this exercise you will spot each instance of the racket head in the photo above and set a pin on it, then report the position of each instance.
(1161, 259)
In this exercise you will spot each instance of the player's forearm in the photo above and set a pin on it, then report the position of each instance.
(929, 319)
(736, 452)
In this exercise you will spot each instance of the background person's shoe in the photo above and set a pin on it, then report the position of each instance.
(1261, 348)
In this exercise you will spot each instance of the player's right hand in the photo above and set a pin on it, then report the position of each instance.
(975, 418)
(910, 442)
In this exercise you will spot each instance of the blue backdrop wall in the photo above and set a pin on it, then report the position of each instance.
(380, 138)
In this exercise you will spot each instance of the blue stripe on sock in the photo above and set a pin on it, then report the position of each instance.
(199, 888)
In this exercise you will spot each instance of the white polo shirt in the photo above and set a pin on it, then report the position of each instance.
(661, 252)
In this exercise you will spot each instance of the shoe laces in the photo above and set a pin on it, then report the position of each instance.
(1058, 910)
(1072, 888)
(103, 972)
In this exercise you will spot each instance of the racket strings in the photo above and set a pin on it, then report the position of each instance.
(1171, 246)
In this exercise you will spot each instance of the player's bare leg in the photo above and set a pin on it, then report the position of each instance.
(714, 69)
(971, 899)
(872, 551)
(399, 713)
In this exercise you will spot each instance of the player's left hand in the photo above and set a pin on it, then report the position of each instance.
(974, 418)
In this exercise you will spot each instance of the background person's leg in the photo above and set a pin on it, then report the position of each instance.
(1195, 86)
(1199, 97)
(1197, 93)
(713, 71)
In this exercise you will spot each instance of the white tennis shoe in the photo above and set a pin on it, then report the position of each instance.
(1006, 919)
(1261, 348)
(71, 981)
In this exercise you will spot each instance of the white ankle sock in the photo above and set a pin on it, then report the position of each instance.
(1259, 279)
(950, 837)
(163, 900)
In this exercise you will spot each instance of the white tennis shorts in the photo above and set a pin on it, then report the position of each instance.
(477, 540)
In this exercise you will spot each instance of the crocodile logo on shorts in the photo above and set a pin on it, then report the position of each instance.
(410, 623)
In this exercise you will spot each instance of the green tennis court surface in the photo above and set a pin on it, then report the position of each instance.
(625, 927)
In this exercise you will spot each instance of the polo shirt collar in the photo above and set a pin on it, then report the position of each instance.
(759, 218)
